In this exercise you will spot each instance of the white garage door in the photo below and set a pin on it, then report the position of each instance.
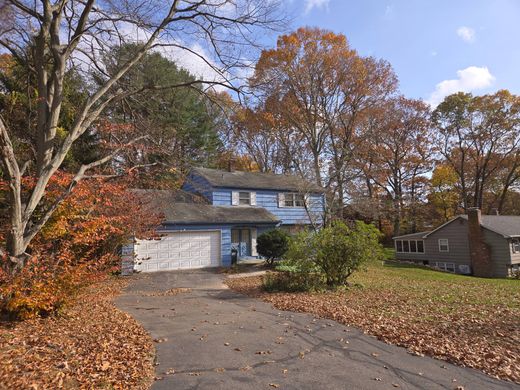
(179, 250)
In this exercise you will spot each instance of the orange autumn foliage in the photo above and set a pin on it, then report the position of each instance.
(77, 246)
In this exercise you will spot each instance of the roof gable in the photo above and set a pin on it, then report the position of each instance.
(256, 180)
(443, 225)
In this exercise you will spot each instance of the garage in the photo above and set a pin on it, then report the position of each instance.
(178, 250)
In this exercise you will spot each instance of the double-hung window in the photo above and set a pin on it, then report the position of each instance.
(294, 200)
(444, 245)
(244, 198)
(516, 245)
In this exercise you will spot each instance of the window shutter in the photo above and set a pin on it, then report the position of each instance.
(253, 242)
(281, 199)
(253, 198)
(234, 198)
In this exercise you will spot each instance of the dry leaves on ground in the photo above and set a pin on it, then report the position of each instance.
(467, 321)
(91, 345)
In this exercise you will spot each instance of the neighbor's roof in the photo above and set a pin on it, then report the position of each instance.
(191, 213)
(411, 236)
(257, 180)
(506, 225)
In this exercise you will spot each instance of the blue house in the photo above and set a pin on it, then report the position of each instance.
(218, 211)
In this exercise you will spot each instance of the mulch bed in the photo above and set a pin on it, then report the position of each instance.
(91, 345)
(483, 337)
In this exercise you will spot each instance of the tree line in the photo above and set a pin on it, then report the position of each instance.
(90, 104)
(321, 110)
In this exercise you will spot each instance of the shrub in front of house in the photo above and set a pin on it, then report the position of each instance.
(272, 245)
(327, 258)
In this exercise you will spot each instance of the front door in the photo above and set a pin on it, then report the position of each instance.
(241, 241)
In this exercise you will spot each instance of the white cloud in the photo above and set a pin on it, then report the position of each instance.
(468, 80)
(318, 4)
(196, 60)
(467, 34)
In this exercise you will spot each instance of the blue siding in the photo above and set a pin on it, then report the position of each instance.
(269, 200)
(196, 184)
(221, 197)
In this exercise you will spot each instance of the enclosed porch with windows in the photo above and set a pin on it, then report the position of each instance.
(410, 247)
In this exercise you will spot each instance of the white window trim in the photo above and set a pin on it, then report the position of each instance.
(416, 247)
(515, 245)
(292, 195)
(249, 195)
(447, 245)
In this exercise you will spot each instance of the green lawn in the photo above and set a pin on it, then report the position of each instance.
(462, 319)
(427, 284)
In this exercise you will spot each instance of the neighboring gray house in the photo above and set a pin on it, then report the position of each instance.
(473, 244)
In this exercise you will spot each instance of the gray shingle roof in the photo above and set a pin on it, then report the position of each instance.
(506, 225)
(181, 207)
(190, 213)
(168, 196)
(411, 236)
(257, 180)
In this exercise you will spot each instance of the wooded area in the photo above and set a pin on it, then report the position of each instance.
(323, 111)
(93, 102)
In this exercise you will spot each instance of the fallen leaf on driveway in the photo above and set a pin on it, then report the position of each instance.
(160, 340)
(275, 385)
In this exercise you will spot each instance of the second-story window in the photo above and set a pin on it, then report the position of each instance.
(294, 200)
(244, 198)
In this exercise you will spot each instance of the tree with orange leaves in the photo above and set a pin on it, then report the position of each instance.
(319, 89)
(398, 156)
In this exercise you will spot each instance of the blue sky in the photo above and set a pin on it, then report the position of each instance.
(435, 46)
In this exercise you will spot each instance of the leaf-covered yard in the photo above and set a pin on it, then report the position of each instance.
(90, 345)
(464, 320)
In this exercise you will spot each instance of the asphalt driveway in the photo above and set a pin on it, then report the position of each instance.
(213, 338)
